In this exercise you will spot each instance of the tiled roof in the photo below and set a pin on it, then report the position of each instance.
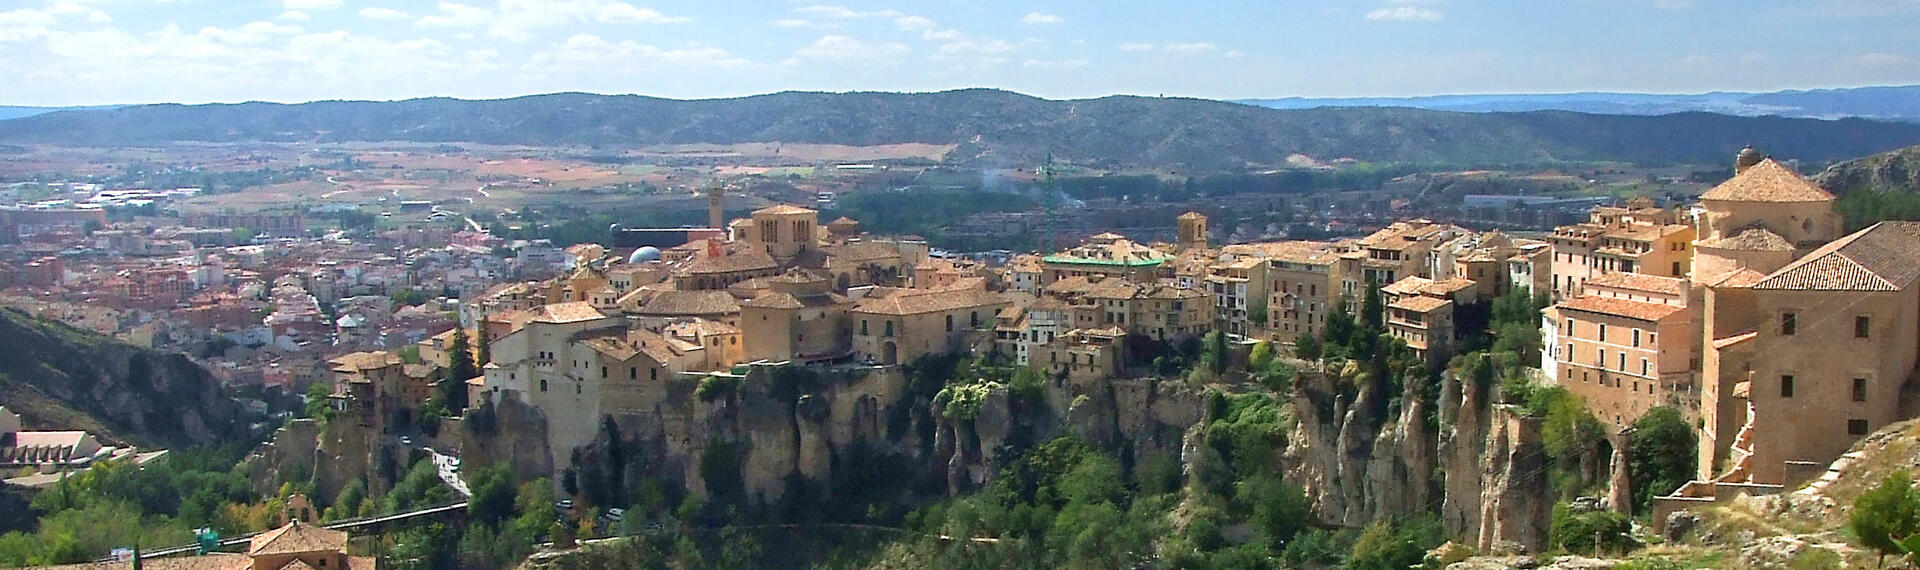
(1190, 216)
(296, 538)
(864, 251)
(917, 302)
(748, 260)
(1409, 285)
(561, 313)
(1638, 310)
(1750, 239)
(211, 561)
(1740, 278)
(1640, 282)
(1885, 257)
(689, 303)
(358, 361)
(784, 209)
(1768, 181)
(1420, 304)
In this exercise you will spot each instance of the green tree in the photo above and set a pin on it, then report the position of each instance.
(1257, 311)
(318, 404)
(493, 490)
(1887, 514)
(1215, 354)
(485, 346)
(1372, 311)
(460, 369)
(1662, 454)
(1307, 347)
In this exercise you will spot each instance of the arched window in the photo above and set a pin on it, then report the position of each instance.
(543, 384)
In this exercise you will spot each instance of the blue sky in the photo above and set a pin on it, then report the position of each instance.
(72, 52)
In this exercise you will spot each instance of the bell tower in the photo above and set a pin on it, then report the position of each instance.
(716, 199)
(1193, 231)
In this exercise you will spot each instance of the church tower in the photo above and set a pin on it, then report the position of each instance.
(716, 198)
(1193, 231)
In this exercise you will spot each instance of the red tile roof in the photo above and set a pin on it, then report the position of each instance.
(1885, 257)
(1768, 181)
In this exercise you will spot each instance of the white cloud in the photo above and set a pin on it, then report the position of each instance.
(589, 52)
(1190, 48)
(1405, 14)
(311, 4)
(1884, 59)
(1039, 18)
(975, 53)
(514, 20)
(295, 16)
(845, 13)
(1059, 64)
(849, 50)
(1235, 54)
(1136, 46)
(374, 13)
(914, 23)
(793, 23)
(940, 35)
(456, 15)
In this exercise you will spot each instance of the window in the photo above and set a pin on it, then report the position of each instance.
(1603, 332)
(1646, 368)
(633, 373)
(653, 374)
(1862, 325)
(543, 384)
(1653, 338)
(1786, 385)
(1788, 324)
(1676, 269)
(889, 331)
(1600, 357)
(1636, 337)
(1623, 361)
(863, 327)
(1859, 389)
(1569, 355)
(1857, 427)
(1569, 327)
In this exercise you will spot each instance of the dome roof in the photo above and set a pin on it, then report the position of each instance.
(644, 254)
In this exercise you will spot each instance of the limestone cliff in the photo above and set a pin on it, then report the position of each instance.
(61, 378)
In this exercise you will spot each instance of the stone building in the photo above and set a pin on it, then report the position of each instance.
(798, 318)
(903, 325)
(1797, 405)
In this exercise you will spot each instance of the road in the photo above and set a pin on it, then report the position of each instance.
(448, 467)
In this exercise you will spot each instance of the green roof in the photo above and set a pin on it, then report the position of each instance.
(1086, 261)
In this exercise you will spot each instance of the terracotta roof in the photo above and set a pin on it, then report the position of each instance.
(1884, 257)
(864, 251)
(1750, 239)
(1421, 304)
(295, 564)
(1735, 339)
(295, 538)
(1190, 216)
(911, 303)
(212, 561)
(1409, 285)
(784, 209)
(1768, 181)
(748, 260)
(1639, 310)
(1640, 282)
(359, 361)
(562, 313)
(689, 303)
(1741, 278)
(702, 328)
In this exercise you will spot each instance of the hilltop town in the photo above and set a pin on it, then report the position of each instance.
(1726, 310)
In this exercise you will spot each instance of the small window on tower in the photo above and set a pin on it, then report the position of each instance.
(1788, 324)
(1862, 326)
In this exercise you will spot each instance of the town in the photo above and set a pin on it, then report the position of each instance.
(458, 344)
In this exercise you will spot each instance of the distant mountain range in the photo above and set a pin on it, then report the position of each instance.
(1900, 103)
(993, 128)
(15, 112)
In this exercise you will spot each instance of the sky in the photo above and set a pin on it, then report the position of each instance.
(87, 52)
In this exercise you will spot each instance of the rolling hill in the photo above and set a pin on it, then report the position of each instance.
(1900, 103)
(992, 128)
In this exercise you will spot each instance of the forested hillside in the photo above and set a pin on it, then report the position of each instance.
(990, 127)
